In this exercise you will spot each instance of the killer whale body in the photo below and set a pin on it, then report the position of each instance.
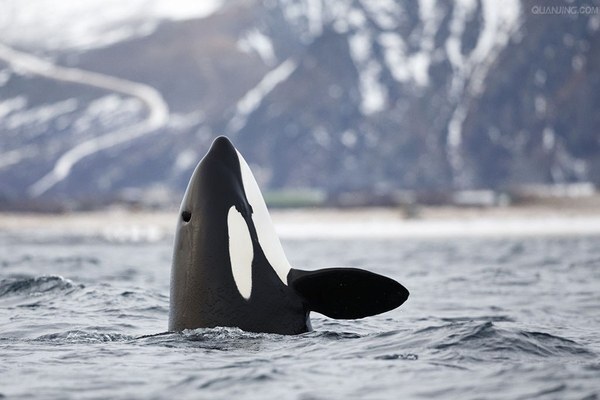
(229, 268)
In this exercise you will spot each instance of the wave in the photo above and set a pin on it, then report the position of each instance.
(219, 338)
(458, 341)
(36, 285)
(451, 344)
(83, 336)
(499, 343)
(333, 335)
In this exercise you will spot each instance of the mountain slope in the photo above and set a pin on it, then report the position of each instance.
(348, 95)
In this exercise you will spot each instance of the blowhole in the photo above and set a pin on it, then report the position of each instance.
(186, 216)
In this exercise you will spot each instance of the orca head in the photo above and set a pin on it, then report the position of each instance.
(216, 185)
(223, 188)
(224, 232)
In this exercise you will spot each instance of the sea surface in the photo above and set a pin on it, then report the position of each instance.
(85, 317)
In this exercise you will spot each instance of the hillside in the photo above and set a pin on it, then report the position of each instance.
(371, 96)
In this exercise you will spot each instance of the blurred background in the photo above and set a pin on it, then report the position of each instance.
(345, 103)
(452, 145)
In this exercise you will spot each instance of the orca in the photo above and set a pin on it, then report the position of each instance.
(229, 268)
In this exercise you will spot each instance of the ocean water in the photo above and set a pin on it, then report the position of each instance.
(84, 317)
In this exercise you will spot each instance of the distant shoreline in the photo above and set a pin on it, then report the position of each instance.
(319, 223)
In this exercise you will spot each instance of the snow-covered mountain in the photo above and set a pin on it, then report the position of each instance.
(350, 95)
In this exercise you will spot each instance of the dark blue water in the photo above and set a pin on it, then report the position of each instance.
(487, 319)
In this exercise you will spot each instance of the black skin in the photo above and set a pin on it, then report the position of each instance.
(203, 290)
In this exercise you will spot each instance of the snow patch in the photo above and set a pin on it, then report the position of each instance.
(349, 139)
(462, 12)
(548, 138)
(11, 105)
(108, 112)
(158, 111)
(420, 61)
(373, 93)
(394, 53)
(455, 126)
(321, 136)
(356, 18)
(385, 13)
(500, 20)
(540, 105)
(185, 160)
(254, 97)
(4, 76)
(412, 67)
(181, 9)
(360, 46)
(60, 24)
(12, 157)
(314, 13)
(39, 115)
(256, 41)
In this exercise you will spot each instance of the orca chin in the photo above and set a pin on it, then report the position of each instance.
(229, 268)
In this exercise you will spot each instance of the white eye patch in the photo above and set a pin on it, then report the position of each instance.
(267, 237)
(241, 252)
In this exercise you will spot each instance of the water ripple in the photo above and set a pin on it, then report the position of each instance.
(487, 337)
(469, 329)
(36, 286)
(83, 336)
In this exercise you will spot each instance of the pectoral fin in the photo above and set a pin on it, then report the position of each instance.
(347, 293)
